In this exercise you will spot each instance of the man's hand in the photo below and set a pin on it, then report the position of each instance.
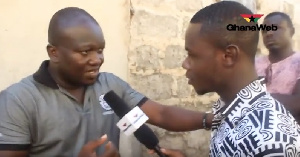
(172, 153)
(88, 150)
(110, 151)
(169, 152)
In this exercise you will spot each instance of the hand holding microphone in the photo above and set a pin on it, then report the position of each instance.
(144, 134)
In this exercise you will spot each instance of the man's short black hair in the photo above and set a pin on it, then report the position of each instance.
(65, 18)
(283, 15)
(214, 20)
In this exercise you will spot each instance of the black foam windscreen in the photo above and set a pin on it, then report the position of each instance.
(144, 134)
(116, 103)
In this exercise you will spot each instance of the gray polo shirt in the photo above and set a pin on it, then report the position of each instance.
(37, 115)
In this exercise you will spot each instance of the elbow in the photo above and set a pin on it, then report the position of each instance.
(160, 119)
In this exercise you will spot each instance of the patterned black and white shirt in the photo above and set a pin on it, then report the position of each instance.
(254, 124)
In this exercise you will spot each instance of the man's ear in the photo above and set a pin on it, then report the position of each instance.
(52, 53)
(231, 55)
(292, 31)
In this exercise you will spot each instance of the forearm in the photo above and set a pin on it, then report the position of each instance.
(13, 153)
(178, 119)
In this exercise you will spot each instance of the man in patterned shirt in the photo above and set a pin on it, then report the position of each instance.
(248, 120)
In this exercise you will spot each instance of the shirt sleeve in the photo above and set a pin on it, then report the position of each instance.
(298, 69)
(130, 96)
(14, 124)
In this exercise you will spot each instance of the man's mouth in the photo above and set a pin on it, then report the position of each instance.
(93, 71)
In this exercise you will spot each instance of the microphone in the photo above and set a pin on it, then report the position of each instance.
(144, 134)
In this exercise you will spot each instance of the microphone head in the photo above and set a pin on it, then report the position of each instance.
(146, 136)
(143, 134)
(116, 103)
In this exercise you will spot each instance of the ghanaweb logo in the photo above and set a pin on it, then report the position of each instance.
(251, 18)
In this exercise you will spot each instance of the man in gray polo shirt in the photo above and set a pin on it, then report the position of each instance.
(60, 108)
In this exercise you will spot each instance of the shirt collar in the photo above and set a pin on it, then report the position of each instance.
(43, 76)
(243, 100)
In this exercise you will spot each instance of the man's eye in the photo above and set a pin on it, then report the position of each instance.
(84, 52)
(100, 51)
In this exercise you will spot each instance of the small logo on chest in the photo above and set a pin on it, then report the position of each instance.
(105, 106)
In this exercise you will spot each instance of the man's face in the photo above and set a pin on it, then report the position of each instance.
(80, 53)
(281, 38)
(201, 64)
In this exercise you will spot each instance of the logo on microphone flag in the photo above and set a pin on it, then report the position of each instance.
(133, 120)
(124, 125)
